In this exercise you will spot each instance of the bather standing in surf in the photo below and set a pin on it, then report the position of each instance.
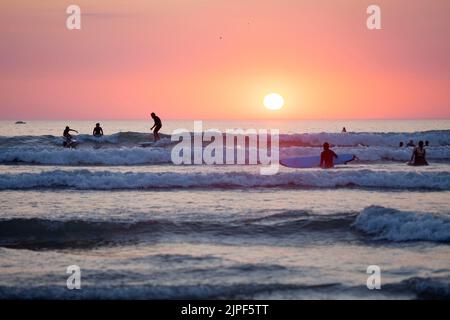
(327, 157)
(418, 157)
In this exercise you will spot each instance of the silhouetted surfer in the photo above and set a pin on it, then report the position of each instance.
(418, 156)
(156, 126)
(410, 144)
(68, 137)
(327, 157)
(98, 131)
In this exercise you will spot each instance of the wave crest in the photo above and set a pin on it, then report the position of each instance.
(392, 139)
(394, 225)
(108, 180)
(161, 155)
(375, 223)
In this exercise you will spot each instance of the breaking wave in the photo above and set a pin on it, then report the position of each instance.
(160, 155)
(83, 179)
(394, 225)
(436, 138)
(373, 224)
(392, 139)
(116, 156)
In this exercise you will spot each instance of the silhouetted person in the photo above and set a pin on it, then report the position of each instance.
(400, 145)
(344, 130)
(327, 157)
(411, 144)
(418, 157)
(156, 126)
(68, 136)
(427, 143)
(98, 131)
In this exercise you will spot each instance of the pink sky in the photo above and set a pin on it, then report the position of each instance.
(211, 59)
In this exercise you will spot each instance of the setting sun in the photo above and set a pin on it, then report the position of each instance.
(273, 101)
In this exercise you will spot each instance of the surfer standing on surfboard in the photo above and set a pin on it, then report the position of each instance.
(157, 125)
(327, 157)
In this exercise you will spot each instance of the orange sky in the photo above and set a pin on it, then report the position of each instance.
(211, 59)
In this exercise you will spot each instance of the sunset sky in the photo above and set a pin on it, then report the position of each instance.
(211, 59)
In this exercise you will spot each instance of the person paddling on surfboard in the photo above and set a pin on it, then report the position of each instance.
(327, 157)
(157, 125)
(98, 131)
(418, 156)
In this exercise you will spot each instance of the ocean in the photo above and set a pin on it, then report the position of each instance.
(140, 227)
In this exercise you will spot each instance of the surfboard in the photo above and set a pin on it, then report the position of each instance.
(72, 144)
(313, 161)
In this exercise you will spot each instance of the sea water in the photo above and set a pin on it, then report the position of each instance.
(140, 227)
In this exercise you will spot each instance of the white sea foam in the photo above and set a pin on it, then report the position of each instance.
(105, 180)
(436, 138)
(157, 155)
(394, 225)
(63, 156)
(371, 153)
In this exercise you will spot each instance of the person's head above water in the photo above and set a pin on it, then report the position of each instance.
(326, 146)
(67, 127)
(153, 114)
(97, 124)
(421, 144)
